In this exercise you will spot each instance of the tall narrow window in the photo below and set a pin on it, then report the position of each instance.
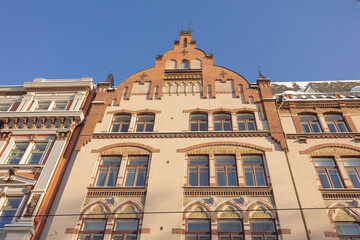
(9, 210)
(136, 171)
(108, 171)
(348, 230)
(198, 122)
(335, 123)
(230, 229)
(198, 171)
(125, 229)
(222, 122)
(254, 171)
(263, 229)
(352, 166)
(17, 153)
(198, 230)
(120, 123)
(246, 122)
(226, 170)
(92, 229)
(310, 124)
(37, 153)
(328, 173)
(145, 123)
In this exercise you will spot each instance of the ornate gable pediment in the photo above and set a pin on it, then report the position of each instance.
(16, 180)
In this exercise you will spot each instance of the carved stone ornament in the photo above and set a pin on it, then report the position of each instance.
(5, 136)
(128, 212)
(260, 213)
(343, 216)
(2, 194)
(197, 213)
(32, 205)
(10, 175)
(97, 212)
(63, 135)
(229, 213)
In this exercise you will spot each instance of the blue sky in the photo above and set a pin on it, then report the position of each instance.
(291, 40)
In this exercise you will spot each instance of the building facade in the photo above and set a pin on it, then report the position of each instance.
(190, 150)
(41, 121)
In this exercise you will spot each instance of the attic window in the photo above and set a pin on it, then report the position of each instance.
(184, 64)
(185, 42)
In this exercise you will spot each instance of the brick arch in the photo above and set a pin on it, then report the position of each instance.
(197, 203)
(325, 145)
(236, 144)
(306, 111)
(116, 145)
(88, 207)
(333, 111)
(129, 202)
(343, 206)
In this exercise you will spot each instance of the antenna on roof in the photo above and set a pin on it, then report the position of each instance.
(190, 26)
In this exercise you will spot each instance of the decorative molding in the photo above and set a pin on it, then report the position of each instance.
(228, 192)
(343, 216)
(5, 136)
(332, 148)
(63, 135)
(135, 112)
(125, 147)
(246, 146)
(235, 110)
(260, 213)
(32, 205)
(229, 213)
(340, 194)
(118, 192)
(303, 136)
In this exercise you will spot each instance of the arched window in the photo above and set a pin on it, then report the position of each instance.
(185, 42)
(230, 225)
(120, 123)
(246, 122)
(262, 224)
(222, 122)
(310, 124)
(198, 122)
(335, 123)
(196, 64)
(145, 123)
(348, 230)
(198, 225)
(184, 64)
(171, 64)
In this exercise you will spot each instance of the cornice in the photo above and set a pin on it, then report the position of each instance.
(228, 191)
(303, 136)
(234, 110)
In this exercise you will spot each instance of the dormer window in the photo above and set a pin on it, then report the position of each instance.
(184, 64)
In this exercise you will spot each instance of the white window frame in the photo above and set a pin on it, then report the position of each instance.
(3, 201)
(52, 104)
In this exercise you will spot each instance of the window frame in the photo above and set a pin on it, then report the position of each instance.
(5, 207)
(308, 123)
(25, 158)
(108, 170)
(59, 101)
(355, 168)
(353, 237)
(137, 166)
(197, 233)
(326, 169)
(222, 121)
(39, 102)
(246, 121)
(199, 122)
(145, 122)
(241, 233)
(113, 232)
(263, 234)
(9, 105)
(91, 233)
(198, 167)
(253, 169)
(335, 123)
(225, 167)
(120, 123)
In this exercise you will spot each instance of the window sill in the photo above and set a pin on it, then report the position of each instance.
(21, 166)
(303, 136)
(116, 191)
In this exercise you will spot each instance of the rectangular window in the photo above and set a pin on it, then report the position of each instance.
(108, 171)
(230, 230)
(263, 229)
(37, 153)
(348, 230)
(226, 170)
(328, 173)
(120, 123)
(136, 171)
(254, 171)
(125, 229)
(352, 166)
(17, 153)
(198, 122)
(43, 106)
(198, 230)
(4, 107)
(9, 210)
(92, 229)
(60, 105)
(198, 171)
(145, 123)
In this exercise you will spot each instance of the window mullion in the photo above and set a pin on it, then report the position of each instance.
(27, 153)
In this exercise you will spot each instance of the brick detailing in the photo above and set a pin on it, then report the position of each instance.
(178, 231)
(284, 231)
(135, 112)
(326, 145)
(224, 144)
(350, 123)
(235, 110)
(330, 234)
(71, 231)
(145, 230)
(139, 145)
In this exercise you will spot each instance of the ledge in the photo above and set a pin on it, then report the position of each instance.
(340, 193)
(117, 191)
(179, 135)
(77, 115)
(228, 191)
(303, 136)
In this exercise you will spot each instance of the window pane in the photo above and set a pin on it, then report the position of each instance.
(203, 126)
(325, 183)
(130, 176)
(198, 117)
(220, 175)
(7, 216)
(204, 176)
(191, 237)
(332, 127)
(335, 178)
(255, 159)
(225, 160)
(193, 177)
(245, 116)
(316, 127)
(242, 126)
(347, 228)
(94, 225)
(198, 226)
(348, 162)
(146, 118)
(149, 127)
(35, 158)
(221, 116)
(217, 126)
(60, 106)
(115, 127)
(4, 107)
(230, 226)
(194, 126)
(17, 153)
(342, 127)
(123, 118)
(140, 160)
(251, 126)
(305, 127)
(126, 225)
(124, 127)
(262, 226)
(204, 237)
(354, 178)
(307, 118)
(140, 127)
(140, 179)
(112, 177)
(43, 106)
(324, 162)
(101, 177)
(110, 161)
(260, 177)
(198, 160)
(227, 126)
(249, 178)
(333, 117)
(232, 179)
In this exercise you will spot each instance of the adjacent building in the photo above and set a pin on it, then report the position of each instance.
(41, 121)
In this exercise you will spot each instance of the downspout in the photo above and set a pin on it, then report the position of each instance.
(293, 180)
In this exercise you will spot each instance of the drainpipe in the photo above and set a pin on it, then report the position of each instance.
(292, 179)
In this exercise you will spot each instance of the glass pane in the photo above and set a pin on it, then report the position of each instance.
(332, 127)
(220, 175)
(348, 162)
(193, 177)
(249, 178)
(232, 178)
(126, 225)
(227, 126)
(204, 237)
(123, 118)
(342, 127)
(124, 127)
(101, 177)
(204, 176)
(140, 179)
(242, 126)
(237, 237)
(221, 116)
(254, 159)
(258, 237)
(305, 127)
(325, 183)
(198, 160)
(217, 126)
(335, 178)
(333, 117)
(149, 127)
(262, 226)
(307, 118)
(251, 126)
(198, 117)
(13, 202)
(140, 127)
(115, 127)
(35, 158)
(60, 106)
(194, 126)
(227, 237)
(118, 237)
(260, 176)
(43, 106)
(130, 237)
(354, 178)
(140, 160)
(4, 107)
(6, 217)
(146, 118)
(130, 176)
(347, 228)
(94, 225)
(225, 160)
(112, 177)
(191, 237)
(230, 226)
(324, 162)
(198, 226)
(316, 127)
(111, 160)
(203, 126)
(245, 116)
